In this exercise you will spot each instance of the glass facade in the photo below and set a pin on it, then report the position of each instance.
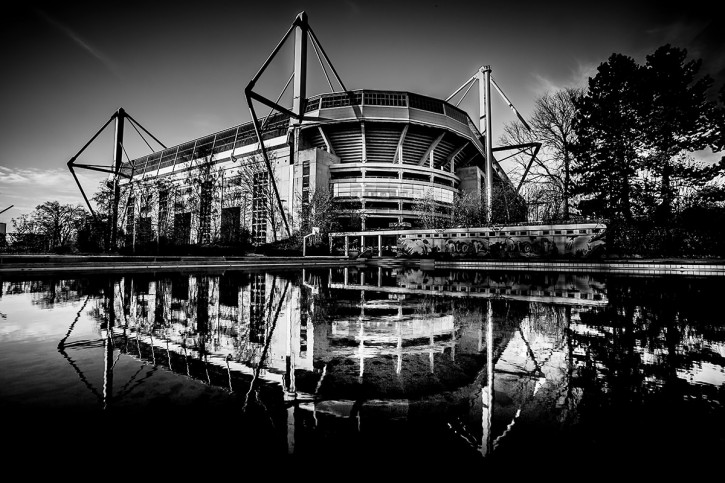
(377, 189)
(260, 207)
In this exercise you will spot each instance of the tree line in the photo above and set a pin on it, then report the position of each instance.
(623, 149)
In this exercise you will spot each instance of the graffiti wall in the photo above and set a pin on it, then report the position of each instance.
(589, 244)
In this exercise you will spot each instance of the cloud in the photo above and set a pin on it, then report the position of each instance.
(578, 77)
(26, 188)
(582, 72)
(83, 44)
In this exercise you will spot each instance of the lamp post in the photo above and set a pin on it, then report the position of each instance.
(315, 231)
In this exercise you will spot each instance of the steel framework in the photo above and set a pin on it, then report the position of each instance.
(303, 32)
(485, 80)
(115, 169)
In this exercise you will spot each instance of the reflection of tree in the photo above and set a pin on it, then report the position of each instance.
(629, 357)
(271, 325)
(49, 292)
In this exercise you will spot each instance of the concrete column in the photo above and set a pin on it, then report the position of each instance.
(117, 161)
(347, 246)
(380, 245)
(486, 74)
(300, 79)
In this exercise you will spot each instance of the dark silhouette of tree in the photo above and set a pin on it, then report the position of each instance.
(678, 117)
(636, 129)
(609, 134)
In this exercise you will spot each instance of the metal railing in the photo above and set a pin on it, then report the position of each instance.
(385, 98)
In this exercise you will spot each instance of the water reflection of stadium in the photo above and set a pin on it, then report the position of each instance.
(381, 347)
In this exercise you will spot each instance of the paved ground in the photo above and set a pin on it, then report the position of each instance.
(20, 263)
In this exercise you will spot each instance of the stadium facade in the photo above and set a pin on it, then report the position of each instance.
(376, 152)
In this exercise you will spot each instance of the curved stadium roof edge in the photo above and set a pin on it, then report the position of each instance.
(339, 107)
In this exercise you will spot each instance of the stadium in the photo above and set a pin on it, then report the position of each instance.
(376, 152)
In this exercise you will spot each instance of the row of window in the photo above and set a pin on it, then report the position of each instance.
(391, 190)
(334, 176)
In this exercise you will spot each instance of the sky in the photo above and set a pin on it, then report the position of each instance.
(180, 68)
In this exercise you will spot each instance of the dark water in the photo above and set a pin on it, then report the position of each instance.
(375, 372)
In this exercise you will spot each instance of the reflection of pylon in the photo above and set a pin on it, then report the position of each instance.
(106, 396)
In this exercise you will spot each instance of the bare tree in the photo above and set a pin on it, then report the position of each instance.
(469, 210)
(165, 194)
(57, 225)
(251, 186)
(319, 210)
(203, 183)
(552, 125)
(430, 213)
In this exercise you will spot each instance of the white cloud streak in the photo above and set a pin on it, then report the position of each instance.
(26, 188)
(82, 43)
(578, 76)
